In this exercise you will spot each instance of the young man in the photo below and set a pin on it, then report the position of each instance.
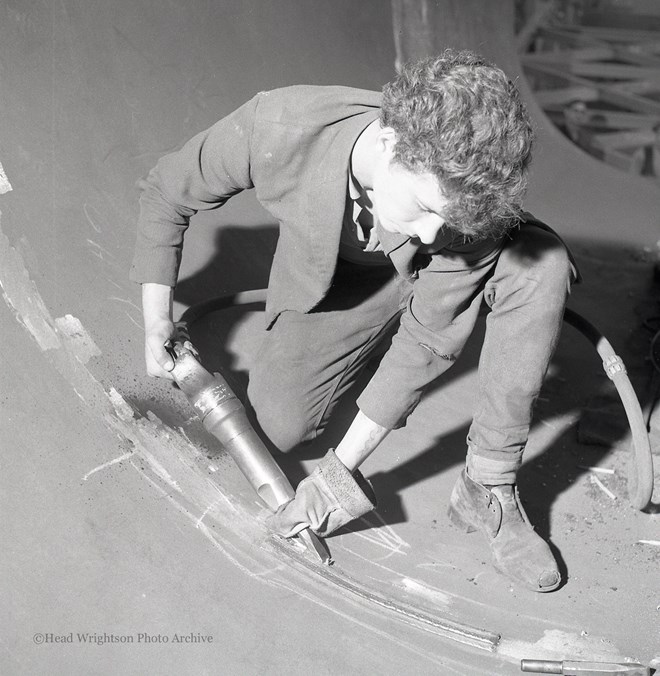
(397, 212)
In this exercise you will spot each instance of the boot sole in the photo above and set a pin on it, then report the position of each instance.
(520, 583)
(460, 522)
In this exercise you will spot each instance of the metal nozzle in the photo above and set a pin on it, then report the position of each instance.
(586, 668)
(541, 666)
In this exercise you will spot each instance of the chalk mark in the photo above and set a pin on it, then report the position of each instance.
(90, 220)
(121, 458)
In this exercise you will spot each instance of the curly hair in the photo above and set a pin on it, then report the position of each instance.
(461, 119)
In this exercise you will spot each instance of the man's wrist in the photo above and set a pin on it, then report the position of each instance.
(157, 301)
(361, 439)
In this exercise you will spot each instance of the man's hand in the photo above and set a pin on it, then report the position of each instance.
(329, 498)
(159, 330)
(160, 335)
(335, 492)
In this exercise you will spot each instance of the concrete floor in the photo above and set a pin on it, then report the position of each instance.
(121, 516)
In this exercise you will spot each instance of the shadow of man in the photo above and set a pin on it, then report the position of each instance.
(242, 261)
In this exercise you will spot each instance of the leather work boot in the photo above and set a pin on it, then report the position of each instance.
(518, 552)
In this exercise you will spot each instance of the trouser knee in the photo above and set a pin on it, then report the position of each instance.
(535, 266)
(280, 419)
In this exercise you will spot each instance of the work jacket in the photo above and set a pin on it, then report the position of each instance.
(293, 146)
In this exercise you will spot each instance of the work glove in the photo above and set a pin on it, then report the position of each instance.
(326, 500)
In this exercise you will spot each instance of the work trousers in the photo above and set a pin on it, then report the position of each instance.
(307, 361)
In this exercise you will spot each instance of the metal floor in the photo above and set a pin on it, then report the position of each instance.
(119, 516)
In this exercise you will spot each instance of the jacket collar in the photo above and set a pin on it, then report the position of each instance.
(326, 191)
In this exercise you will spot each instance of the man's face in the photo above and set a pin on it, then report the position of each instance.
(407, 203)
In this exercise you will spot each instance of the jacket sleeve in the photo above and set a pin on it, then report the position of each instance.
(203, 174)
(440, 316)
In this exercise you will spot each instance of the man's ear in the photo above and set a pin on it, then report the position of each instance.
(386, 141)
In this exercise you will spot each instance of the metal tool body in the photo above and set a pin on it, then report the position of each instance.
(572, 668)
(224, 416)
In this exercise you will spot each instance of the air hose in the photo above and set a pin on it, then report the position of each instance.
(641, 467)
(199, 310)
(640, 477)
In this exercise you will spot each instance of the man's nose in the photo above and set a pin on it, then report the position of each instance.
(426, 237)
(430, 231)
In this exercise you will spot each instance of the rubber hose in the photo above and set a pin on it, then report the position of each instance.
(641, 472)
(195, 312)
(641, 475)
